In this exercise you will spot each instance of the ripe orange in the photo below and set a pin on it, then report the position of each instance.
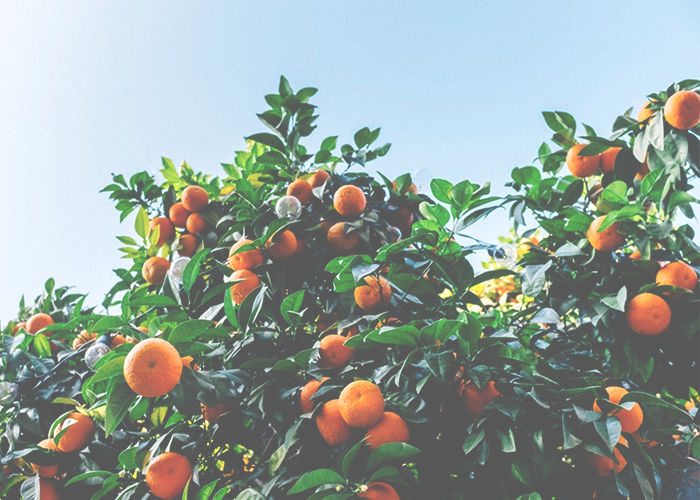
(48, 489)
(678, 274)
(645, 112)
(332, 352)
(682, 110)
(581, 166)
(378, 491)
(605, 241)
(250, 259)
(46, 470)
(152, 368)
(648, 314)
(350, 332)
(373, 296)
(607, 159)
(240, 290)
(82, 338)
(349, 201)
(178, 215)
(339, 240)
(19, 326)
(632, 419)
(390, 429)
(474, 399)
(331, 424)
(308, 392)
(299, 252)
(79, 432)
(301, 190)
(636, 255)
(604, 466)
(212, 413)
(197, 224)
(187, 245)
(410, 189)
(119, 339)
(194, 198)
(643, 170)
(167, 475)
(283, 247)
(167, 230)
(155, 270)
(318, 178)
(38, 322)
(361, 404)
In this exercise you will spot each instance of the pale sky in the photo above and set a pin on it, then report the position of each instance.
(88, 88)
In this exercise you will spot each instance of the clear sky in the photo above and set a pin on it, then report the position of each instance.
(88, 88)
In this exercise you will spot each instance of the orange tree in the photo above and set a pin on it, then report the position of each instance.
(297, 328)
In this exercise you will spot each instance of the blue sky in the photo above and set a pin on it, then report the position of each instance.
(88, 88)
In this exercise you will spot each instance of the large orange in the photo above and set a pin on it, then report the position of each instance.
(474, 399)
(283, 247)
(187, 245)
(361, 404)
(632, 419)
(331, 424)
(38, 322)
(648, 314)
(319, 177)
(212, 413)
(155, 270)
(82, 338)
(682, 110)
(581, 166)
(307, 392)
(48, 489)
(194, 198)
(79, 432)
(607, 159)
(349, 201)
(390, 429)
(373, 296)
(603, 466)
(167, 230)
(339, 240)
(240, 290)
(152, 368)
(167, 475)
(46, 470)
(332, 352)
(301, 190)
(607, 240)
(178, 215)
(197, 224)
(378, 491)
(250, 259)
(678, 274)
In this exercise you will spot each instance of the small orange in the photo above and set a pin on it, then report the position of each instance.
(682, 110)
(301, 190)
(350, 332)
(79, 432)
(648, 314)
(307, 392)
(187, 245)
(410, 189)
(333, 353)
(212, 413)
(645, 112)
(119, 339)
(167, 230)
(349, 201)
(373, 296)
(283, 247)
(607, 159)
(167, 475)
(250, 259)
(630, 420)
(378, 491)
(581, 166)
(643, 170)
(82, 338)
(636, 255)
(474, 399)
(607, 240)
(38, 322)
(678, 274)
(390, 429)
(153, 368)
(331, 424)
(46, 470)
(603, 466)
(240, 290)
(18, 327)
(194, 198)
(197, 224)
(361, 404)
(319, 177)
(155, 270)
(178, 215)
(339, 240)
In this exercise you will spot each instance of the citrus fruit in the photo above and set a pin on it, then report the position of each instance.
(152, 368)
(178, 215)
(166, 230)
(38, 322)
(349, 201)
(301, 190)
(645, 112)
(630, 420)
(48, 489)
(390, 429)
(187, 245)
(648, 314)
(581, 166)
(197, 224)
(373, 296)
(240, 290)
(319, 177)
(361, 404)
(167, 475)
(682, 110)
(410, 189)
(248, 259)
(607, 240)
(678, 274)
(212, 413)
(333, 353)
(331, 424)
(18, 327)
(474, 399)
(79, 432)
(603, 466)
(307, 392)
(194, 198)
(607, 159)
(283, 247)
(155, 270)
(378, 491)
(46, 470)
(339, 240)
(82, 338)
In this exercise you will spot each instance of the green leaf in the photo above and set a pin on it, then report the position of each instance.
(316, 478)
(154, 300)
(350, 456)
(206, 491)
(42, 345)
(472, 441)
(441, 189)
(110, 369)
(290, 307)
(250, 494)
(191, 272)
(680, 198)
(268, 140)
(118, 402)
(389, 451)
(188, 330)
(142, 223)
(88, 475)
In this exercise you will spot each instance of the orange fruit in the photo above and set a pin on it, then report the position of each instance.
(178, 215)
(48, 489)
(689, 405)
(79, 432)
(349, 201)
(155, 270)
(402, 218)
(194, 198)
(605, 241)
(474, 399)
(167, 475)
(331, 424)
(319, 177)
(378, 491)
(19, 326)
(119, 339)
(38, 322)
(144, 329)
(648, 314)
(187, 245)
(240, 290)
(682, 110)
(152, 368)
(636, 255)
(644, 442)
(607, 159)
(643, 170)
(645, 112)
(187, 362)
(300, 251)
(197, 224)
(167, 230)
(307, 392)
(632, 419)
(390, 429)
(333, 353)
(301, 190)
(339, 240)
(603, 466)
(46, 470)
(283, 247)
(82, 338)
(678, 274)
(373, 296)
(250, 259)
(212, 413)
(361, 404)
(581, 166)
(410, 189)
(350, 332)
